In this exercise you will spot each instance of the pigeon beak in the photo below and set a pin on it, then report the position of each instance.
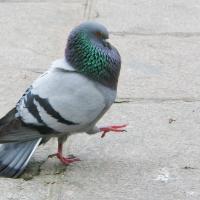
(106, 43)
(106, 36)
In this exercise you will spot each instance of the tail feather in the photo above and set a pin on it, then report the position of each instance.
(14, 157)
(8, 117)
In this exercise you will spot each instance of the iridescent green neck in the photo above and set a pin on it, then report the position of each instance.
(93, 59)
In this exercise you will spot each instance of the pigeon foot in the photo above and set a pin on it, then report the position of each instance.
(65, 160)
(117, 129)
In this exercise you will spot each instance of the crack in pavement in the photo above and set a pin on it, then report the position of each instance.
(88, 9)
(170, 34)
(156, 100)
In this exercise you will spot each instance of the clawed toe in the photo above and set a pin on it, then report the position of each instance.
(65, 160)
(69, 160)
(116, 128)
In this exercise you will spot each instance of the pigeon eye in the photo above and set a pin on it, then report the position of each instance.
(98, 34)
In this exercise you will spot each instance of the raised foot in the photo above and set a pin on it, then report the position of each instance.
(65, 160)
(118, 129)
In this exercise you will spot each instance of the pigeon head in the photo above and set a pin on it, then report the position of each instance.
(89, 52)
(94, 30)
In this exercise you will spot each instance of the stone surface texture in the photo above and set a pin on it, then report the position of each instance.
(158, 158)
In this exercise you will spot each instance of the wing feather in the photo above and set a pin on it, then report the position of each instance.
(63, 100)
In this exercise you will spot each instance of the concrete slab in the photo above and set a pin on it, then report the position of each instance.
(157, 157)
(159, 67)
(36, 32)
(148, 16)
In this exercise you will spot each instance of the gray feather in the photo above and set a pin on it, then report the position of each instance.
(14, 131)
(15, 156)
(21, 143)
(8, 117)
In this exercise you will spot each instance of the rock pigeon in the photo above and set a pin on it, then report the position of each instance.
(69, 98)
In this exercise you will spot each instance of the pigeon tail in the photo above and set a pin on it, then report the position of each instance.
(14, 157)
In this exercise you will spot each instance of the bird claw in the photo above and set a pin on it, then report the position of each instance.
(116, 128)
(65, 160)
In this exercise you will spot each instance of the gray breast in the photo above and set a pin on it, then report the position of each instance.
(108, 94)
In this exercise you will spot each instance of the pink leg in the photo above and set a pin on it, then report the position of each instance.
(117, 129)
(64, 160)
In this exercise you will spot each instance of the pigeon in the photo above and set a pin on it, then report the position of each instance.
(69, 98)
